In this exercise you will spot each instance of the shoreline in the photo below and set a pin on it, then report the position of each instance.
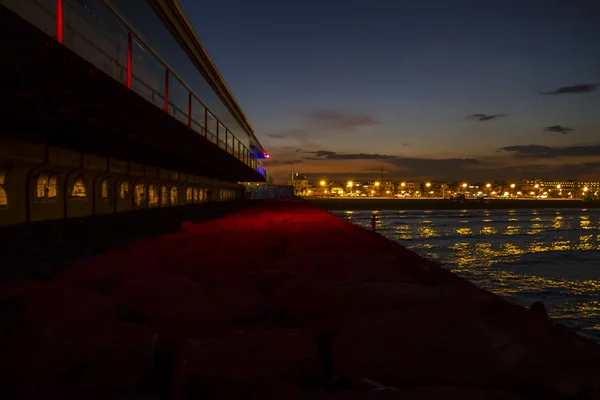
(339, 204)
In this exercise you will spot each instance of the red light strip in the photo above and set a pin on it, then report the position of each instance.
(129, 50)
(59, 21)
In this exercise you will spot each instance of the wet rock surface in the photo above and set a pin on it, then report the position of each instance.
(279, 301)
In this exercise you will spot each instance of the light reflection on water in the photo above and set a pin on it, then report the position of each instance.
(524, 255)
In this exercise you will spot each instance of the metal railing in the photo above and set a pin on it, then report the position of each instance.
(93, 30)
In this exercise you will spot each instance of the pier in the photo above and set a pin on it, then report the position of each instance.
(280, 300)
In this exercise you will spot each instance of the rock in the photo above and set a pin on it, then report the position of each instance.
(83, 360)
(237, 363)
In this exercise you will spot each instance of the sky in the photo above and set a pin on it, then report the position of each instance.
(441, 90)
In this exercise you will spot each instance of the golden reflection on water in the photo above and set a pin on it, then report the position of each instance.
(427, 232)
(535, 229)
(584, 222)
(558, 222)
(561, 245)
(586, 243)
(464, 231)
(513, 230)
(488, 230)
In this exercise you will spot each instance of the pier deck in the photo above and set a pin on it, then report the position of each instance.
(279, 301)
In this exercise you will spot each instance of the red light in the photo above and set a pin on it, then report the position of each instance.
(59, 21)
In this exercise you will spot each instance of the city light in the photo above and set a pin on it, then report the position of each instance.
(476, 190)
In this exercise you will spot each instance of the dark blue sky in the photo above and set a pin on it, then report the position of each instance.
(344, 87)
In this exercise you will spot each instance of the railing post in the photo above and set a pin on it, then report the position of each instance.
(166, 108)
(190, 110)
(129, 50)
(218, 144)
(205, 122)
(226, 140)
(59, 21)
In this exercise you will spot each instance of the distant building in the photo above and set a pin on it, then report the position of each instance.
(300, 184)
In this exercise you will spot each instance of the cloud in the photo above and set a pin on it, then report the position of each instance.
(559, 129)
(288, 133)
(339, 120)
(486, 117)
(332, 155)
(584, 88)
(539, 151)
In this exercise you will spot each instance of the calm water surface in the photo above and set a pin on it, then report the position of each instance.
(545, 255)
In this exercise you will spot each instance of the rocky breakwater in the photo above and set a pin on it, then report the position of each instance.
(279, 301)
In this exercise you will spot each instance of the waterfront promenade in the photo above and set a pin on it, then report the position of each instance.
(381, 203)
(280, 300)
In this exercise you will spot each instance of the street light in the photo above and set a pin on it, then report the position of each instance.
(322, 183)
(489, 185)
(537, 186)
(512, 185)
(464, 185)
(350, 184)
(428, 184)
(376, 183)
